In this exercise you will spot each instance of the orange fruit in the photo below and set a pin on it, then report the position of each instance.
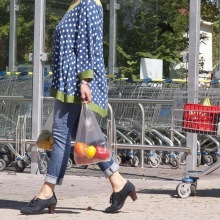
(79, 149)
(90, 152)
(51, 140)
(47, 145)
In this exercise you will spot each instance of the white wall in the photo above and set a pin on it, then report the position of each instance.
(206, 45)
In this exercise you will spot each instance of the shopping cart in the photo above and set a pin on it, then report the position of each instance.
(203, 120)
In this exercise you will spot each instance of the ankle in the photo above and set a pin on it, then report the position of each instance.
(117, 182)
(43, 195)
(46, 192)
(118, 186)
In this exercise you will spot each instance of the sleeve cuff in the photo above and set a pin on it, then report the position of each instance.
(87, 74)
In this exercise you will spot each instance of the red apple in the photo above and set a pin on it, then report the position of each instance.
(102, 153)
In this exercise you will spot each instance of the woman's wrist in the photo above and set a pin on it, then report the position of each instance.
(84, 82)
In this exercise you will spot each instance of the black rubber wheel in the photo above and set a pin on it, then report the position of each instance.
(118, 159)
(84, 166)
(183, 191)
(69, 164)
(207, 159)
(28, 163)
(43, 166)
(20, 165)
(198, 161)
(154, 163)
(175, 163)
(134, 161)
(193, 190)
(2, 164)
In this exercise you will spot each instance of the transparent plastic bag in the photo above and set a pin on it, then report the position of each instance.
(45, 139)
(90, 145)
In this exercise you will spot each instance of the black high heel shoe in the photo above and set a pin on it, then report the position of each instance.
(37, 206)
(117, 200)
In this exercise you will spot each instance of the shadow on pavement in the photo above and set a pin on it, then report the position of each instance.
(17, 205)
(11, 204)
(215, 193)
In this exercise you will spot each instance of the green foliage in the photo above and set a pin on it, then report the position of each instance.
(140, 36)
(25, 28)
(138, 31)
(209, 11)
(4, 30)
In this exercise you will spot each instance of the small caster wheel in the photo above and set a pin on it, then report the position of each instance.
(20, 165)
(2, 164)
(134, 161)
(28, 163)
(193, 190)
(43, 166)
(183, 190)
(175, 163)
(69, 164)
(208, 160)
(183, 162)
(118, 160)
(84, 167)
(159, 157)
(154, 162)
(198, 161)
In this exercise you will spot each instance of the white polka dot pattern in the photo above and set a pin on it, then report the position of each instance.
(78, 47)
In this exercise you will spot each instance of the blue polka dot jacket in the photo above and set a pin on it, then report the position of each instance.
(78, 54)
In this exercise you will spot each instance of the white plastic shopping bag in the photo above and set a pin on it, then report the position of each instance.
(90, 145)
(45, 140)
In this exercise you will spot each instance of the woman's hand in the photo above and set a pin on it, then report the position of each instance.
(86, 93)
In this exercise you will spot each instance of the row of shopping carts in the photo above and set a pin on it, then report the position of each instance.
(160, 121)
(15, 119)
(157, 119)
(161, 111)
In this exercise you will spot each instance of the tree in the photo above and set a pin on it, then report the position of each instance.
(25, 28)
(4, 30)
(156, 29)
(145, 28)
(140, 33)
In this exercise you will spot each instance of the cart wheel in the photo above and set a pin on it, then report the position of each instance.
(183, 190)
(118, 160)
(175, 163)
(84, 166)
(28, 163)
(69, 164)
(159, 158)
(208, 160)
(43, 166)
(198, 161)
(134, 161)
(2, 164)
(214, 157)
(154, 162)
(193, 190)
(183, 162)
(20, 165)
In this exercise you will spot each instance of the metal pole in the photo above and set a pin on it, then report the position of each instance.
(111, 131)
(142, 133)
(13, 8)
(193, 75)
(112, 37)
(38, 64)
(218, 6)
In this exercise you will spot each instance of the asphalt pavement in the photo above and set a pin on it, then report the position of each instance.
(85, 195)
